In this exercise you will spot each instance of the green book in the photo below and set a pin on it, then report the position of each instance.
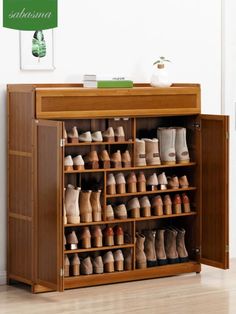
(115, 84)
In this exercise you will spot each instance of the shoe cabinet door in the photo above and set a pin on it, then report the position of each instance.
(214, 191)
(49, 180)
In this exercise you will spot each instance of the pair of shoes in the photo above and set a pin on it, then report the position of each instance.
(173, 145)
(116, 184)
(118, 212)
(71, 267)
(111, 135)
(157, 182)
(147, 152)
(113, 261)
(175, 183)
(113, 236)
(76, 163)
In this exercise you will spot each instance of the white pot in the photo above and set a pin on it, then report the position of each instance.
(160, 78)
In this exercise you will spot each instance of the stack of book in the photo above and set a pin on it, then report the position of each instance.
(90, 81)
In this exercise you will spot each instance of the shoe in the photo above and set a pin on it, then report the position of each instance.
(108, 236)
(78, 163)
(111, 184)
(109, 213)
(160, 247)
(140, 153)
(68, 163)
(64, 240)
(128, 260)
(141, 182)
(152, 182)
(91, 160)
(109, 135)
(65, 136)
(167, 138)
(170, 246)
(86, 266)
(120, 183)
(104, 160)
(97, 136)
(173, 182)
(145, 206)
(167, 205)
(186, 204)
(149, 248)
(162, 181)
(133, 208)
(180, 244)
(141, 260)
(182, 154)
(126, 159)
(108, 262)
(72, 204)
(85, 238)
(119, 235)
(183, 182)
(64, 215)
(73, 136)
(85, 206)
(131, 183)
(120, 211)
(66, 266)
(177, 204)
(119, 134)
(98, 265)
(118, 260)
(96, 205)
(96, 235)
(72, 241)
(152, 152)
(157, 206)
(85, 137)
(75, 263)
(116, 160)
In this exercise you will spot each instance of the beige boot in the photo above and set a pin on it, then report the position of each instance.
(152, 152)
(183, 182)
(85, 137)
(118, 235)
(91, 160)
(68, 163)
(180, 244)
(152, 182)
(149, 248)
(72, 241)
(145, 206)
(66, 266)
(85, 238)
(116, 160)
(109, 213)
(86, 267)
(133, 208)
(119, 134)
(170, 246)
(120, 183)
(118, 260)
(72, 204)
(120, 211)
(104, 160)
(160, 247)
(173, 182)
(96, 205)
(141, 260)
(78, 163)
(182, 154)
(186, 203)
(85, 206)
(98, 265)
(177, 204)
(73, 136)
(162, 181)
(140, 153)
(131, 182)
(109, 135)
(166, 138)
(167, 205)
(157, 206)
(97, 136)
(75, 265)
(126, 159)
(141, 182)
(111, 184)
(108, 236)
(108, 262)
(97, 237)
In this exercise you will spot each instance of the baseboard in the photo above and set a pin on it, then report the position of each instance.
(3, 277)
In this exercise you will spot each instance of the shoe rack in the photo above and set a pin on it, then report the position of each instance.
(37, 179)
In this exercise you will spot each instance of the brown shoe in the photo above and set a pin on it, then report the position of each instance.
(75, 265)
(173, 182)
(141, 260)
(111, 184)
(98, 265)
(85, 238)
(149, 248)
(109, 135)
(68, 163)
(133, 208)
(140, 153)
(177, 204)
(141, 182)
(131, 182)
(72, 241)
(152, 152)
(73, 136)
(186, 203)
(120, 183)
(126, 159)
(86, 267)
(119, 235)
(96, 205)
(97, 236)
(157, 206)
(152, 182)
(91, 160)
(183, 182)
(108, 262)
(109, 213)
(104, 160)
(128, 260)
(66, 266)
(170, 246)
(145, 206)
(118, 260)
(119, 134)
(72, 204)
(78, 163)
(85, 137)
(180, 244)
(160, 247)
(85, 206)
(108, 236)
(162, 181)
(167, 205)
(120, 211)
(116, 160)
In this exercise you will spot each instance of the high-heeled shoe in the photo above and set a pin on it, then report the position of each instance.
(131, 182)
(109, 213)
(68, 163)
(98, 265)
(96, 205)
(86, 266)
(116, 160)
(162, 181)
(126, 159)
(91, 160)
(177, 204)
(108, 236)
(104, 160)
(167, 205)
(152, 182)
(185, 203)
(173, 182)
(133, 208)
(120, 183)
(141, 184)
(75, 265)
(66, 266)
(119, 235)
(78, 163)
(183, 182)
(72, 241)
(111, 184)
(118, 260)
(73, 136)
(97, 136)
(85, 137)
(96, 236)
(145, 206)
(108, 135)
(120, 211)
(119, 134)
(157, 206)
(108, 262)
(85, 238)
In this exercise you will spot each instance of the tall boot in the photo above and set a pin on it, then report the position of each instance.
(180, 243)
(85, 206)
(152, 152)
(182, 154)
(140, 154)
(141, 260)
(170, 246)
(166, 138)
(96, 205)
(149, 248)
(160, 247)
(72, 204)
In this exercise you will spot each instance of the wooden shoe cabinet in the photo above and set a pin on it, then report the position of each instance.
(37, 115)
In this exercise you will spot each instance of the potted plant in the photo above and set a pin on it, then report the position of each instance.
(160, 77)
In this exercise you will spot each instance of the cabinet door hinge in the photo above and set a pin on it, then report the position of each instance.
(227, 249)
(61, 272)
(197, 125)
(62, 142)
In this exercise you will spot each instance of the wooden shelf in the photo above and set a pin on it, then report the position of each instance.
(103, 248)
(98, 143)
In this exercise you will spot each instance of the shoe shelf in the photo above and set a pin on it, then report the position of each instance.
(98, 143)
(102, 248)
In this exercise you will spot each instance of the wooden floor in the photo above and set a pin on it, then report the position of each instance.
(212, 291)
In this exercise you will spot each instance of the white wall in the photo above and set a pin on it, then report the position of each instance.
(121, 38)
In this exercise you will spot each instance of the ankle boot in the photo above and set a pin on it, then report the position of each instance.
(111, 184)
(149, 248)
(119, 235)
(85, 238)
(68, 163)
(108, 236)
(72, 241)
(85, 206)
(177, 204)
(152, 182)
(182, 154)
(78, 163)
(108, 262)
(126, 159)
(119, 134)
(72, 204)
(141, 182)
(186, 203)
(133, 207)
(120, 211)
(140, 153)
(91, 160)
(86, 267)
(120, 183)
(180, 244)
(162, 181)
(104, 158)
(109, 135)
(75, 263)
(97, 236)
(145, 206)
(97, 136)
(128, 260)
(173, 182)
(85, 137)
(116, 160)
(183, 182)
(170, 246)
(141, 260)
(96, 205)
(166, 138)
(118, 260)
(109, 213)
(167, 205)
(157, 206)
(131, 183)
(73, 136)
(160, 247)
(152, 152)
(66, 266)
(98, 265)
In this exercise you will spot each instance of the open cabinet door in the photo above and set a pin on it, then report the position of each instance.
(214, 182)
(49, 254)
